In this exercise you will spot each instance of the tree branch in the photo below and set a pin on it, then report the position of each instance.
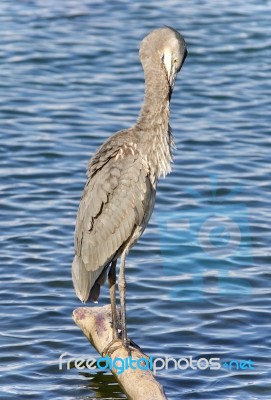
(136, 382)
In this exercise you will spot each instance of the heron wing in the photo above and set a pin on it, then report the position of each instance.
(115, 202)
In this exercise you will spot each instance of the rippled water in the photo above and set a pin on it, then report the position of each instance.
(199, 279)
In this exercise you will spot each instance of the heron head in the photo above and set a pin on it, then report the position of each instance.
(167, 47)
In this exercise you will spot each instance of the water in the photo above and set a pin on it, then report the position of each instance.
(199, 279)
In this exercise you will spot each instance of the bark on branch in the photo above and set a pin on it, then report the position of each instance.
(136, 383)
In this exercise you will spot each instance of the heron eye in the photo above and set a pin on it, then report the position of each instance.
(175, 61)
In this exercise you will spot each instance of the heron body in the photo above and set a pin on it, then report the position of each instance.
(119, 195)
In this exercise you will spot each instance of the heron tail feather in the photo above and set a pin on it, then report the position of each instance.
(86, 283)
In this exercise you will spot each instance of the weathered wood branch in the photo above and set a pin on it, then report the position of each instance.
(136, 383)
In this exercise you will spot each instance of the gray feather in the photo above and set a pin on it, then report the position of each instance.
(119, 195)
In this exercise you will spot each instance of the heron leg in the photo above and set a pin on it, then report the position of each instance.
(122, 292)
(125, 342)
(112, 288)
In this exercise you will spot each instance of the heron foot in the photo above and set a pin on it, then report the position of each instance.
(111, 347)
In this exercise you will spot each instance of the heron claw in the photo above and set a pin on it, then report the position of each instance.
(110, 348)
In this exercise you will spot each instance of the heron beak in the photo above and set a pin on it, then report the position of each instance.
(172, 80)
(173, 73)
(171, 84)
(184, 57)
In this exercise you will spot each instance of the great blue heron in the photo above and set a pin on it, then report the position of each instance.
(119, 195)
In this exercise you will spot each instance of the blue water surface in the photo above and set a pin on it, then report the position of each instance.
(199, 279)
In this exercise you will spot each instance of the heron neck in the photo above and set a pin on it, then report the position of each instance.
(153, 123)
(155, 110)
